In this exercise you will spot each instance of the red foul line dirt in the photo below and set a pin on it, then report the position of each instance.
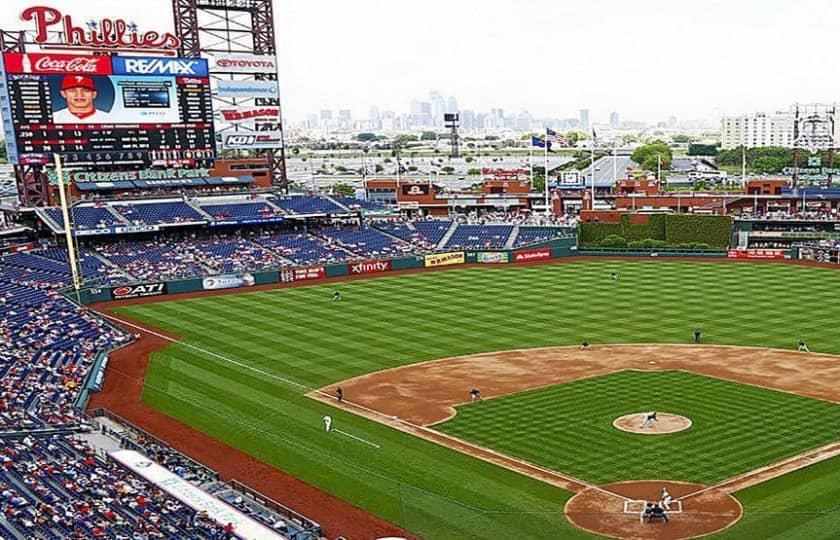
(122, 393)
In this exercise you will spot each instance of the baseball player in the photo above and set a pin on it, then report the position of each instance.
(475, 395)
(697, 335)
(649, 419)
(614, 276)
(666, 500)
(328, 423)
(585, 346)
(802, 347)
(339, 394)
(337, 296)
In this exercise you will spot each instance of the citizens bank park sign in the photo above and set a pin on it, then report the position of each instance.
(113, 35)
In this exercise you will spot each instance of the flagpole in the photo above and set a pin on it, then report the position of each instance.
(615, 158)
(531, 159)
(743, 165)
(545, 148)
(592, 166)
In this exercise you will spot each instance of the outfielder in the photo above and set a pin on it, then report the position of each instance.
(649, 419)
(328, 423)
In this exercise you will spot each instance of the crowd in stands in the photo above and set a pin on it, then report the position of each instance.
(58, 487)
(520, 218)
(810, 215)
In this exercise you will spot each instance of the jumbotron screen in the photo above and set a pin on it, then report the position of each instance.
(104, 110)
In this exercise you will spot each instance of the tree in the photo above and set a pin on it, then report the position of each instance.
(697, 149)
(681, 139)
(648, 156)
(343, 189)
(428, 136)
(367, 137)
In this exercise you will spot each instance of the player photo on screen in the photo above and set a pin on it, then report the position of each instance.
(82, 101)
(98, 99)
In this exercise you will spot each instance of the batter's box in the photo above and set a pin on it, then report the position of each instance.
(637, 507)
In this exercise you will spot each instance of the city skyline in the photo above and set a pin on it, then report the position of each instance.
(649, 60)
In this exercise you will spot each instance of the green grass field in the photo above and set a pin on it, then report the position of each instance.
(301, 335)
(736, 428)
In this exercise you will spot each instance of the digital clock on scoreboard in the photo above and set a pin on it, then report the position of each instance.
(103, 110)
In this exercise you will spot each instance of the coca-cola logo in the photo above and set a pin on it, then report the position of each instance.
(73, 65)
(102, 34)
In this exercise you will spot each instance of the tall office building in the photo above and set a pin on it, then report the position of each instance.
(759, 129)
(613, 119)
(584, 118)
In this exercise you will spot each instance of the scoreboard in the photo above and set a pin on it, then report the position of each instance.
(107, 110)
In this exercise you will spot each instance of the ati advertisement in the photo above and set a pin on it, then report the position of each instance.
(369, 267)
(302, 274)
(138, 291)
(227, 281)
(532, 255)
(492, 257)
(444, 259)
(124, 106)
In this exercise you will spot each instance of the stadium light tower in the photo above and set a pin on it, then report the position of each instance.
(239, 27)
(813, 130)
(450, 121)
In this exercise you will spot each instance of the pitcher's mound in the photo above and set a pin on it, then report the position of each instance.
(664, 423)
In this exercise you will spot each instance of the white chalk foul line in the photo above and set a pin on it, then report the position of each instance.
(356, 438)
(238, 364)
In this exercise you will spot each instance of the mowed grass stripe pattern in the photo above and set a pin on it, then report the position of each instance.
(386, 322)
(568, 427)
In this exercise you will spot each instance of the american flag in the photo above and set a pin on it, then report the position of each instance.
(556, 139)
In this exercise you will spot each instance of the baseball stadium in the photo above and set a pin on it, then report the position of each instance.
(194, 347)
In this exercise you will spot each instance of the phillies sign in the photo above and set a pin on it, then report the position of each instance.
(57, 64)
(113, 34)
(179, 67)
(369, 267)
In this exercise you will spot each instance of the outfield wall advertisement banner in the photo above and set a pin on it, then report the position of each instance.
(755, 254)
(302, 274)
(369, 267)
(492, 257)
(444, 259)
(532, 255)
(138, 291)
(227, 281)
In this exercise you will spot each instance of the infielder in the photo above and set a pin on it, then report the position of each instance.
(475, 395)
(649, 419)
(328, 423)
(802, 347)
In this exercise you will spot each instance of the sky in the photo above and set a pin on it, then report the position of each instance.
(646, 59)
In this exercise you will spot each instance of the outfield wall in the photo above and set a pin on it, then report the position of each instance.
(561, 247)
